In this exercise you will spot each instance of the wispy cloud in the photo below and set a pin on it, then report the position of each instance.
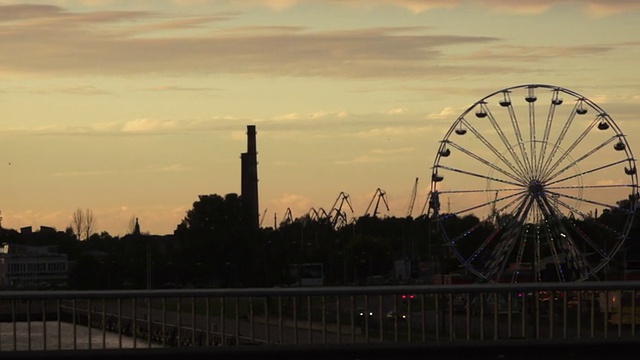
(58, 41)
(522, 7)
(312, 115)
(168, 168)
(28, 11)
(83, 173)
(360, 159)
(508, 53)
(393, 151)
(390, 132)
(446, 113)
(594, 8)
(146, 125)
(72, 90)
(150, 168)
(54, 40)
(136, 127)
(166, 88)
(377, 155)
(298, 204)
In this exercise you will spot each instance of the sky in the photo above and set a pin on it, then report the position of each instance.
(133, 109)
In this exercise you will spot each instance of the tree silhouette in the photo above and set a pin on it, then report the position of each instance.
(83, 223)
(215, 243)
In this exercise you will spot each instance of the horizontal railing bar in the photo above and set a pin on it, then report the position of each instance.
(510, 349)
(319, 291)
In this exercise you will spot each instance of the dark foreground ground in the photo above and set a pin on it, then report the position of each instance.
(508, 349)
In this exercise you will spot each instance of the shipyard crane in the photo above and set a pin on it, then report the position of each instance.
(412, 200)
(336, 214)
(313, 214)
(288, 218)
(262, 218)
(340, 219)
(318, 215)
(377, 196)
(323, 215)
(494, 211)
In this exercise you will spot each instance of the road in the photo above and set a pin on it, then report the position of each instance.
(428, 325)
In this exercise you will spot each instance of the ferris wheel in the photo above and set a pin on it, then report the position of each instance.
(534, 183)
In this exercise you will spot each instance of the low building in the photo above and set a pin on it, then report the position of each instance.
(32, 267)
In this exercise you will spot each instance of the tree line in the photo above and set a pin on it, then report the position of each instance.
(213, 247)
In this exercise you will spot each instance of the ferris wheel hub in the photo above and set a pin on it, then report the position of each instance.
(536, 187)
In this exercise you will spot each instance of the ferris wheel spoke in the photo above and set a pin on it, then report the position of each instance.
(571, 249)
(571, 148)
(506, 143)
(592, 245)
(487, 163)
(563, 133)
(500, 254)
(578, 261)
(531, 99)
(583, 157)
(516, 129)
(520, 255)
(605, 255)
(555, 101)
(583, 200)
(468, 232)
(537, 253)
(552, 235)
(566, 239)
(479, 190)
(610, 186)
(593, 220)
(489, 203)
(517, 200)
(516, 169)
(470, 259)
(478, 175)
(489, 240)
(514, 204)
(589, 171)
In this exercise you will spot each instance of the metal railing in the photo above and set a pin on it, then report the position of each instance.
(243, 317)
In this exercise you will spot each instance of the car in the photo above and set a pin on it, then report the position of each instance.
(394, 315)
(365, 318)
(407, 296)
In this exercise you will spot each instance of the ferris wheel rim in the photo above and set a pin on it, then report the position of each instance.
(546, 211)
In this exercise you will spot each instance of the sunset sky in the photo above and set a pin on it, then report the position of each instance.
(134, 108)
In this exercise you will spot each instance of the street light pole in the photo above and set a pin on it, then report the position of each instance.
(148, 266)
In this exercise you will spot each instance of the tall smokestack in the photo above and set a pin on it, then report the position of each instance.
(249, 163)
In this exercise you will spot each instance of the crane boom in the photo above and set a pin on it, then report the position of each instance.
(412, 200)
(377, 196)
(288, 218)
(336, 214)
(262, 217)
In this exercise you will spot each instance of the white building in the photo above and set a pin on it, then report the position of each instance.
(30, 267)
